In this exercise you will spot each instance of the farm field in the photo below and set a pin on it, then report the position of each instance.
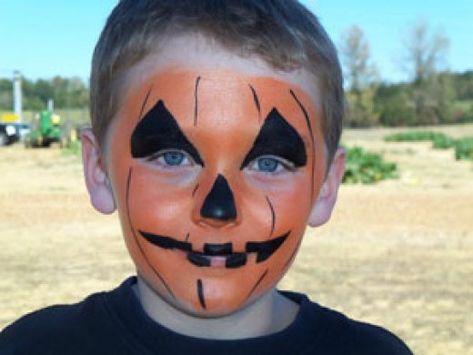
(398, 254)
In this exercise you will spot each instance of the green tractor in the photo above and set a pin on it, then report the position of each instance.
(45, 129)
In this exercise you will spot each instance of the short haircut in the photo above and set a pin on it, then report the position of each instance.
(281, 32)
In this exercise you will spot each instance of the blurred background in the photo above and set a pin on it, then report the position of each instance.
(398, 249)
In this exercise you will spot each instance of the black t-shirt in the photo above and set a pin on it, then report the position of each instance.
(115, 323)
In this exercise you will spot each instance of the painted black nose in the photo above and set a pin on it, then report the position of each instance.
(219, 203)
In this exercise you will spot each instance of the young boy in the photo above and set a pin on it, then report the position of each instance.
(215, 129)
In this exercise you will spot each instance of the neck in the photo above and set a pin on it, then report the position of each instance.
(268, 314)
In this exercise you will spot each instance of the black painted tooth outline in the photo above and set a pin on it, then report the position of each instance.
(264, 250)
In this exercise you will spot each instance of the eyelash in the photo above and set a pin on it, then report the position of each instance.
(159, 158)
(282, 165)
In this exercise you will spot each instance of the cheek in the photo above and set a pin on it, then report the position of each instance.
(289, 197)
(158, 204)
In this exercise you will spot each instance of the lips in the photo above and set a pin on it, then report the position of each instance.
(214, 254)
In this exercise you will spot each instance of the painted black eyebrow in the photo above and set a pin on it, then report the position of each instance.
(256, 100)
(158, 130)
(277, 137)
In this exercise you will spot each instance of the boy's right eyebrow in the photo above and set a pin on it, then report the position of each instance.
(159, 130)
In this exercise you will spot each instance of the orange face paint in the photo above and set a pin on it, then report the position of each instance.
(215, 174)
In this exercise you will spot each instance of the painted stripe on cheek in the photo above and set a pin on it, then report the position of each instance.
(273, 216)
(158, 275)
(257, 284)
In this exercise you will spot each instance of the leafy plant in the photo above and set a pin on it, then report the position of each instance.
(439, 140)
(367, 168)
(442, 141)
(464, 149)
(463, 146)
(413, 136)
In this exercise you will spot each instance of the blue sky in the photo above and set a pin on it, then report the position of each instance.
(56, 37)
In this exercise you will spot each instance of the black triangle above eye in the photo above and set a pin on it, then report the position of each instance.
(277, 137)
(158, 130)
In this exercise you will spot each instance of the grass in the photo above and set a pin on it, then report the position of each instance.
(395, 254)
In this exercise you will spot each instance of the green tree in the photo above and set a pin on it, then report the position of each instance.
(6, 96)
(425, 56)
(393, 105)
(360, 74)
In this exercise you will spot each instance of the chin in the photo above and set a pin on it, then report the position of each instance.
(222, 298)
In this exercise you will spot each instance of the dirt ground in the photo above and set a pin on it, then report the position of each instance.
(398, 254)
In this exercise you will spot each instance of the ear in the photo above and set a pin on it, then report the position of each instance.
(96, 178)
(325, 202)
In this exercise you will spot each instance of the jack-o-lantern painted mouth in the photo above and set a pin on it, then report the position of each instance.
(206, 258)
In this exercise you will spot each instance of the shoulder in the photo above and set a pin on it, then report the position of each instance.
(51, 329)
(337, 334)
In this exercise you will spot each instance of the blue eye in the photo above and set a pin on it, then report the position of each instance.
(267, 164)
(173, 158)
(271, 165)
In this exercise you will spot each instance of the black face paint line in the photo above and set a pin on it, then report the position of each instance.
(233, 259)
(309, 127)
(273, 216)
(236, 260)
(195, 190)
(200, 293)
(218, 249)
(166, 242)
(127, 198)
(256, 100)
(198, 259)
(145, 101)
(158, 130)
(292, 256)
(196, 100)
(265, 249)
(219, 203)
(203, 260)
(257, 283)
(277, 137)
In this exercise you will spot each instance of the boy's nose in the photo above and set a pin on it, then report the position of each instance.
(219, 205)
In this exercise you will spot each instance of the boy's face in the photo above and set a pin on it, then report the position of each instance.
(215, 173)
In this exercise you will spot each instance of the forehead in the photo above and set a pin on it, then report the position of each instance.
(219, 99)
(198, 53)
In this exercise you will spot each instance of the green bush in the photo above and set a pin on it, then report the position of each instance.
(464, 149)
(442, 141)
(439, 140)
(463, 146)
(412, 136)
(367, 168)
